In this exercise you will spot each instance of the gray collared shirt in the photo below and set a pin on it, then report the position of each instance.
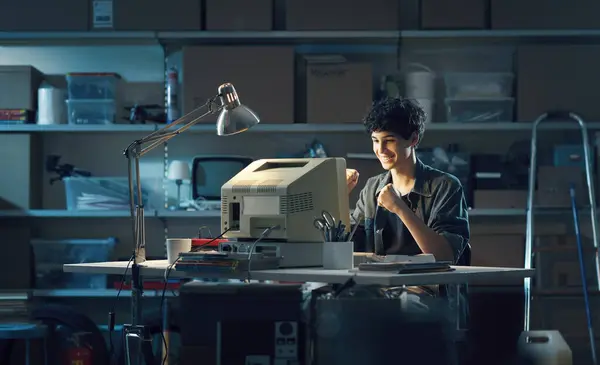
(437, 198)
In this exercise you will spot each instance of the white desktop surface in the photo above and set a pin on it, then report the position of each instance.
(461, 274)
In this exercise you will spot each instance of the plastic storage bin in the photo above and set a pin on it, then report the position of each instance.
(92, 86)
(478, 85)
(479, 110)
(99, 193)
(51, 255)
(91, 111)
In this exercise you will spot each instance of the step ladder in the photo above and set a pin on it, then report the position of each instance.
(529, 234)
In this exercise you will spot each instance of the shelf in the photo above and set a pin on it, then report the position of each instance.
(76, 38)
(95, 293)
(50, 213)
(55, 213)
(166, 214)
(106, 128)
(245, 37)
(189, 214)
(293, 127)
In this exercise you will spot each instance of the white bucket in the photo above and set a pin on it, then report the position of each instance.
(544, 348)
(419, 84)
(427, 106)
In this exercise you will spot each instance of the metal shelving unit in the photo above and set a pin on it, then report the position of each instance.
(383, 41)
(51, 213)
(166, 214)
(288, 128)
(95, 293)
(161, 38)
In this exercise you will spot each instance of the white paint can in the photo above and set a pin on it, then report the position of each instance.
(427, 106)
(419, 83)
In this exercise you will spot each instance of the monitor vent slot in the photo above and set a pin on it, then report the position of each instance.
(268, 186)
(243, 186)
(224, 205)
(296, 203)
(260, 187)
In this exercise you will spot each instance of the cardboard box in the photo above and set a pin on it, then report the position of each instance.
(545, 14)
(239, 15)
(20, 183)
(455, 14)
(140, 15)
(43, 15)
(351, 14)
(499, 250)
(18, 87)
(568, 80)
(500, 199)
(553, 187)
(336, 92)
(262, 75)
(558, 269)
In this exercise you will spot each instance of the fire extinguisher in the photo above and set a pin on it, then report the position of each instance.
(78, 353)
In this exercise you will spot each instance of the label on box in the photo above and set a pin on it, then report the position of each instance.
(103, 14)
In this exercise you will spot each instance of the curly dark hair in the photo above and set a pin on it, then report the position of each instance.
(399, 116)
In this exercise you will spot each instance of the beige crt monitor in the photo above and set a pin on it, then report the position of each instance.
(285, 192)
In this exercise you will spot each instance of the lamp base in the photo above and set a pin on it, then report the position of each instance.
(138, 346)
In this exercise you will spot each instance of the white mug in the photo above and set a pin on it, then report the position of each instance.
(175, 246)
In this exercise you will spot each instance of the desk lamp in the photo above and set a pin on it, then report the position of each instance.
(233, 118)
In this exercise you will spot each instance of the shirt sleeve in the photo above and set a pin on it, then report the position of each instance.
(357, 217)
(450, 219)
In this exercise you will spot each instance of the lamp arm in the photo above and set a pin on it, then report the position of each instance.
(164, 134)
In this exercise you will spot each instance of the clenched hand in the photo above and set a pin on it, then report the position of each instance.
(389, 200)
(351, 179)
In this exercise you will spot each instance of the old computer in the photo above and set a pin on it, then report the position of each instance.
(288, 194)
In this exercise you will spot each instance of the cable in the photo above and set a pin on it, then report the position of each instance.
(166, 281)
(111, 314)
(263, 235)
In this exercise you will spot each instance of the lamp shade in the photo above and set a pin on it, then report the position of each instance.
(236, 120)
(178, 170)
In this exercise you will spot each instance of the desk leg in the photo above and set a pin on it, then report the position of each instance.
(165, 344)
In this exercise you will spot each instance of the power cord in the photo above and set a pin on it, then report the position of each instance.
(262, 236)
(166, 281)
(111, 314)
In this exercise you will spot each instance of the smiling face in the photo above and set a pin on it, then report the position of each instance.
(392, 150)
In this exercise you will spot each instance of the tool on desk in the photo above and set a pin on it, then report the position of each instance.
(326, 224)
(328, 218)
(322, 226)
(332, 232)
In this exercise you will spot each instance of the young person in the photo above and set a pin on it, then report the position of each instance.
(411, 208)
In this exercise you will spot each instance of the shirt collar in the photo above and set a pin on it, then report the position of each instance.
(421, 187)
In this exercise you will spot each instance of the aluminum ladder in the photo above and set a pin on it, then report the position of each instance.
(529, 234)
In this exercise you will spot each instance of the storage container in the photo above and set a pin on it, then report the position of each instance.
(544, 347)
(51, 255)
(478, 85)
(92, 85)
(91, 111)
(99, 193)
(480, 110)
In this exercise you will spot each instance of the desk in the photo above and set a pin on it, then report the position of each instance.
(461, 274)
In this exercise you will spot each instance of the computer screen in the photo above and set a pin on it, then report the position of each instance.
(209, 173)
(289, 193)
